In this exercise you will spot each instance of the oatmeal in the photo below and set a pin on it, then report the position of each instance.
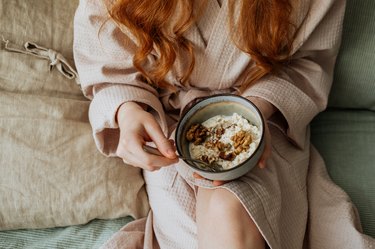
(225, 140)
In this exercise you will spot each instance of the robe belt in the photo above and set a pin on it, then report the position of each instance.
(55, 59)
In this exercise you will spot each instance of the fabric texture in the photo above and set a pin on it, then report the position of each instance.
(276, 198)
(345, 139)
(51, 173)
(88, 236)
(354, 86)
(347, 124)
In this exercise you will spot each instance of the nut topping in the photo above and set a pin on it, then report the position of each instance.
(242, 141)
(197, 134)
(223, 140)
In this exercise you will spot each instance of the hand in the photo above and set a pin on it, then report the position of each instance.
(266, 109)
(136, 128)
(214, 182)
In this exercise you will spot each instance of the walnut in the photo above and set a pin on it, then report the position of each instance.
(219, 132)
(242, 141)
(210, 144)
(216, 144)
(222, 146)
(247, 140)
(227, 156)
(238, 150)
(205, 159)
(197, 134)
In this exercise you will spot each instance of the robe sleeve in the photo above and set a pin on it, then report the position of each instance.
(103, 57)
(300, 91)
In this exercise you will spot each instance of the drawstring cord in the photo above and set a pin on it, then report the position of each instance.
(55, 59)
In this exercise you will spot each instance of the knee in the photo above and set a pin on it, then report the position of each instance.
(224, 223)
(221, 205)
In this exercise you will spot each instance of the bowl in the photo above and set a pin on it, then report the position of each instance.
(224, 104)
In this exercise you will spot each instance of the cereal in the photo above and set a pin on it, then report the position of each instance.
(225, 140)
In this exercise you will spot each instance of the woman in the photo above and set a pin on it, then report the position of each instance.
(144, 62)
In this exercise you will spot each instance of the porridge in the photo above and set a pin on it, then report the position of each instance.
(224, 140)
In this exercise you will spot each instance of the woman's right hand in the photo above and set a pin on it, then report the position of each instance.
(136, 128)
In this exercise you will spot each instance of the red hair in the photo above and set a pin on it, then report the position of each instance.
(263, 30)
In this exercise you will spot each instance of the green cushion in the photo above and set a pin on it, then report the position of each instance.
(346, 140)
(354, 84)
(89, 236)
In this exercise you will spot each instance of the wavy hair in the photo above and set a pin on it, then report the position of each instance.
(263, 30)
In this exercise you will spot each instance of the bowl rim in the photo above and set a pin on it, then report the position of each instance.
(214, 96)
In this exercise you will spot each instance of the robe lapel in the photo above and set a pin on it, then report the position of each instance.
(219, 64)
(208, 20)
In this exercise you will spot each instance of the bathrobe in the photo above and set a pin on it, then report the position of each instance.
(292, 201)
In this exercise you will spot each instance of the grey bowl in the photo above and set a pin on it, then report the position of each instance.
(220, 105)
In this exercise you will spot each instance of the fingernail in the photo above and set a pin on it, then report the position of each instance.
(172, 142)
(261, 165)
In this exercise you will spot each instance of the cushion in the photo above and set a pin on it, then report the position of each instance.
(354, 85)
(51, 172)
(88, 236)
(346, 141)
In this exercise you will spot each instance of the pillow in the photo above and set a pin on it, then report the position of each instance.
(354, 86)
(51, 172)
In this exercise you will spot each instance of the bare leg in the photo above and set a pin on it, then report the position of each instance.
(224, 223)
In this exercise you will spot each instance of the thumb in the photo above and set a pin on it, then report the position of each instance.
(162, 143)
(267, 151)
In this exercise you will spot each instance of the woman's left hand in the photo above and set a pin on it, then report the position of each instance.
(267, 110)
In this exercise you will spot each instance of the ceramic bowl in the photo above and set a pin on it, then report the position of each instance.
(220, 105)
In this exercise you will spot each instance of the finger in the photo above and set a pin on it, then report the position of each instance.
(262, 163)
(218, 183)
(126, 161)
(266, 154)
(134, 152)
(197, 176)
(132, 161)
(215, 182)
(150, 162)
(173, 144)
(162, 143)
(263, 159)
